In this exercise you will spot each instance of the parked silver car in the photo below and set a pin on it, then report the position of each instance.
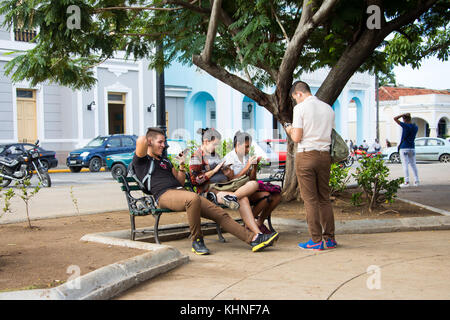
(435, 149)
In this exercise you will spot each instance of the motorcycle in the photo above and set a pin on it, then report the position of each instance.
(347, 162)
(23, 167)
(357, 154)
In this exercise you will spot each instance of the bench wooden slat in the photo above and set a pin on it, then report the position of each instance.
(132, 188)
(128, 179)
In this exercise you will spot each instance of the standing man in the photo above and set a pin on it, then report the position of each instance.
(313, 121)
(406, 147)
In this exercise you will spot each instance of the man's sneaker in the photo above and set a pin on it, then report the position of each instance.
(331, 244)
(231, 201)
(404, 185)
(263, 240)
(416, 183)
(198, 247)
(311, 245)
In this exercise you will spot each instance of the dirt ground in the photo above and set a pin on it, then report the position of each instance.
(44, 256)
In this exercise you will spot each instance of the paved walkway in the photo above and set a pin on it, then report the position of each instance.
(402, 265)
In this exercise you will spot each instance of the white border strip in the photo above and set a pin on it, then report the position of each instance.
(437, 210)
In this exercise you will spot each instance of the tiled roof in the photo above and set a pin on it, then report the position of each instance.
(393, 93)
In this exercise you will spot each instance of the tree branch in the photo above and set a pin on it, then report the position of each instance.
(182, 5)
(127, 34)
(234, 81)
(307, 7)
(292, 54)
(212, 31)
(403, 33)
(189, 5)
(407, 18)
(99, 10)
(435, 48)
(279, 23)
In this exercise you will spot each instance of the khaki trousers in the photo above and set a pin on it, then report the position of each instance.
(313, 176)
(196, 207)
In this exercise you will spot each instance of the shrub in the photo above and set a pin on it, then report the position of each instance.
(339, 178)
(6, 196)
(27, 193)
(356, 198)
(225, 147)
(372, 178)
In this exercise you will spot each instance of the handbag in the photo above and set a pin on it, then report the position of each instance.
(338, 149)
(231, 185)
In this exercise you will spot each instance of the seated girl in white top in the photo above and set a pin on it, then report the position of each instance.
(242, 164)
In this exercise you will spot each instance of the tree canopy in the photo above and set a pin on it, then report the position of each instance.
(246, 44)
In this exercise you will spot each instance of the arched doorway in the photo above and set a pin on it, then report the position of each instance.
(203, 111)
(423, 127)
(248, 114)
(442, 127)
(355, 121)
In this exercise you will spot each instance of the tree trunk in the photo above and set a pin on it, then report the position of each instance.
(291, 190)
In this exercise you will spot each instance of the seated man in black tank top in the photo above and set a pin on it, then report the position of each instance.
(166, 185)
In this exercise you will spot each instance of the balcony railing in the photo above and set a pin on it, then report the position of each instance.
(24, 35)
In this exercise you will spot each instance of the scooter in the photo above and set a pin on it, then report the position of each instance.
(348, 162)
(23, 167)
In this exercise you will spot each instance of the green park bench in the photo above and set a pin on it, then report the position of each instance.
(141, 204)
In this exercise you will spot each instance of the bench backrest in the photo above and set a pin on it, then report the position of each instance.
(128, 184)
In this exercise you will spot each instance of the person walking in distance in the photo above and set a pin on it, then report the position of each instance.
(313, 121)
(406, 147)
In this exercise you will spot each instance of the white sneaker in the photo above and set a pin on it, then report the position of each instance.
(416, 183)
(404, 185)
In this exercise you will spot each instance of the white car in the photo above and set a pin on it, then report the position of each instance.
(435, 149)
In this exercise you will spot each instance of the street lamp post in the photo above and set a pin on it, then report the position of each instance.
(161, 100)
(378, 106)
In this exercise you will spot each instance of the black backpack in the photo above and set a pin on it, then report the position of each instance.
(145, 184)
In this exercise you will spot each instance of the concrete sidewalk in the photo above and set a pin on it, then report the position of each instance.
(402, 265)
(58, 201)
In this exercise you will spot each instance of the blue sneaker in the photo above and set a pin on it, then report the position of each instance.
(331, 244)
(311, 245)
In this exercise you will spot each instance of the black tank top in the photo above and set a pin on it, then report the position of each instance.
(162, 177)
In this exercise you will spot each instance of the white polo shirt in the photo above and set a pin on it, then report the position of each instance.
(317, 119)
(236, 164)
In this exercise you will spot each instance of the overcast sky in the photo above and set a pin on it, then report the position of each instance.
(433, 74)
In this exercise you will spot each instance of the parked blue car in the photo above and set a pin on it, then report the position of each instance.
(435, 149)
(93, 155)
